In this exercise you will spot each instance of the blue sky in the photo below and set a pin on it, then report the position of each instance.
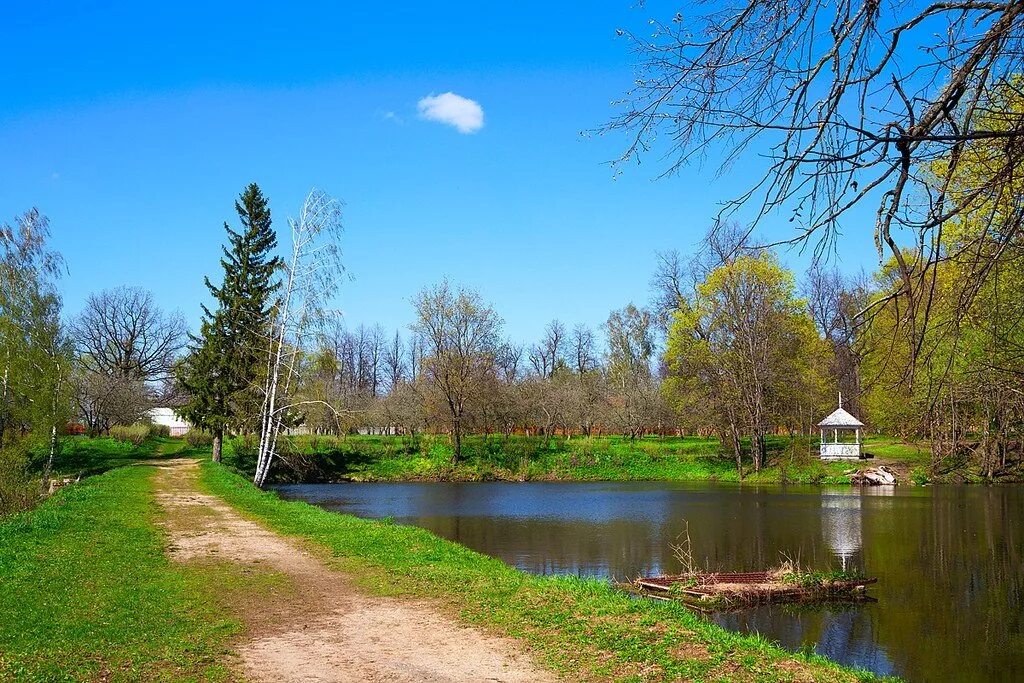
(135, 127)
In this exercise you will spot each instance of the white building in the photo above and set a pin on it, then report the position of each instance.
(844, 430)
(167, 416)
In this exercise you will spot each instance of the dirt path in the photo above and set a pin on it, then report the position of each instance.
(320, 627)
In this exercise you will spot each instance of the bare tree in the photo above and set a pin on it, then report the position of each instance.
(668, 285)
(850, 102)
(833, 302)
(547, 403)
(394, 362)
(375, 357)
(585, 394)
(460, 333)
(630, 350)
(546, 357)
(123, 332)
(105, 400)
(509, 362)
(404, 408)
(415, 356)
(584, 349)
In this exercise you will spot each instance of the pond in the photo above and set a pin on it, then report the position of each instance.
(949, 559)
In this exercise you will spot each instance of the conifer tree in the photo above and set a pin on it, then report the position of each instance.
(205, 375)
(229, 356)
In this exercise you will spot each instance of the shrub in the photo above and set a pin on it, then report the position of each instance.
(159, 430)
(134, 434)
(198, 438)
(18, 491)
(919, 475)
(240, 453)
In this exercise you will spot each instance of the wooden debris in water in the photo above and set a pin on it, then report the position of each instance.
(746, 588)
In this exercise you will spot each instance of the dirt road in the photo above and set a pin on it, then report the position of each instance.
(318, 626)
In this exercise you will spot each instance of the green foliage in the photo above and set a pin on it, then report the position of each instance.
(198, 438)
(88, 593)
(944, 350)
(18, 489)
(919, 475)
(35, 354)
(227, 359)
(822, 578)
(519, 458)
(162, 431)
(577, 626)
(744, 355)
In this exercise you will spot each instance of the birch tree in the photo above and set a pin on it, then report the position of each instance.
(36, 354)
(312, 274)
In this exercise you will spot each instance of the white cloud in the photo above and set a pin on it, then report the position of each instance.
(465, 115)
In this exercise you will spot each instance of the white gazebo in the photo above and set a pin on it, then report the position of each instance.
(845, 435)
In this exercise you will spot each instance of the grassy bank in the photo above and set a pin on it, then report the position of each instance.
(575, 625)
(86, 592)
(82, 456)
(521, 458)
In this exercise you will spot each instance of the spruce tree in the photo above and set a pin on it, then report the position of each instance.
(205, 376)
(229, 357)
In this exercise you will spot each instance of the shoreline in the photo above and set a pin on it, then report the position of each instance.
(583, 627)
(580, 628)
(428, 458)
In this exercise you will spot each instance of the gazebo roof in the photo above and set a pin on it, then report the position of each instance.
(840, 418)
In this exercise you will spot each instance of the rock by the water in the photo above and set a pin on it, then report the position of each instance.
(874, 476)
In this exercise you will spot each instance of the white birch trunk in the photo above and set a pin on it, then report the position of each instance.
(312, 279)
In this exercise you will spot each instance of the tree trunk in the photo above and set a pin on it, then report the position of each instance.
(737, 449)
(218, 443)
(3, 399)
(760, 450)
(48, 468)
(457, 433)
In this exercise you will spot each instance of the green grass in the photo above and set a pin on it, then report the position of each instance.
(84, 456)
(886, 448)
(575, 625)
(86, 592)
(819, 579)
(604, 458)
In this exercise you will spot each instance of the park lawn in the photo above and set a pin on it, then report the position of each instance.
(888, 448)
(84, 456)
(86, 592)
(574, 625)
(522, 458)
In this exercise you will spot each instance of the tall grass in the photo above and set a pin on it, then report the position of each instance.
(134, 434)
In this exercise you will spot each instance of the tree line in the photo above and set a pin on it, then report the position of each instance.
(925, 125)
(732, 344)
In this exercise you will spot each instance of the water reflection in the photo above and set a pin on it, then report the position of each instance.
(841, 526)
(949, 559)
